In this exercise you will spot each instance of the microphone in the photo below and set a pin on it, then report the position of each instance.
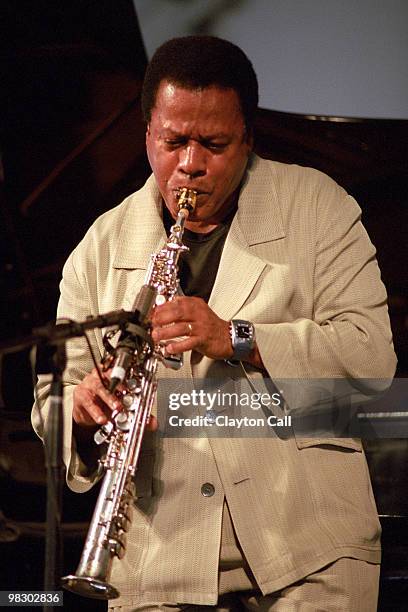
(133, 334)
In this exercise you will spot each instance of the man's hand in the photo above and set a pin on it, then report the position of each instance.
(192, 317)
(206, 332)
(93, 403)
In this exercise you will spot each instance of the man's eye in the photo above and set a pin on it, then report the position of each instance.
(174, 143)
(217, 146)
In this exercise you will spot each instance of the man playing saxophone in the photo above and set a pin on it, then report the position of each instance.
(281, 281)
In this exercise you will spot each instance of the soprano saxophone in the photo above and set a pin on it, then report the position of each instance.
(124, 432)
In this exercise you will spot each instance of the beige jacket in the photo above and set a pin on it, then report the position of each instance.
(298, 263)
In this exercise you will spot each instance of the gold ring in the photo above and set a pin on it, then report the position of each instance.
(190, 329)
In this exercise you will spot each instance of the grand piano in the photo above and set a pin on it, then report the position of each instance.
(72, 146)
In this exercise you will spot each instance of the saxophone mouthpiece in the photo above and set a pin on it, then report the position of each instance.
(186, 200)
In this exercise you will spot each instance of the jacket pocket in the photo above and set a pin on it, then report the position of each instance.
(348, 444)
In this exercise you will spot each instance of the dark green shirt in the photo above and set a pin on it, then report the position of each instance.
(198, 267)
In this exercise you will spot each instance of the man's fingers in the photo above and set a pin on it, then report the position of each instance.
(181, 346)
(153, 424)
(92, 398)
(93, 404)
(86, 410)
(108, 398)
(102, 392)
(179, 309)
(173, 331)
(83, 418)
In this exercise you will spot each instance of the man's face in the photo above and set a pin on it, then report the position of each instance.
(197, 139)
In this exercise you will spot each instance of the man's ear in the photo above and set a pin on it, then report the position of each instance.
(148, 133)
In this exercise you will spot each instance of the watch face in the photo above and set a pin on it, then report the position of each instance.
(243, 331)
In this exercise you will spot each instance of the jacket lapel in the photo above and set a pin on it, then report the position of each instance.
(142, 231)
(256, 222)
(141, 234)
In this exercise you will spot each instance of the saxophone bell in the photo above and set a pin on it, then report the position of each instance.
(89, 587)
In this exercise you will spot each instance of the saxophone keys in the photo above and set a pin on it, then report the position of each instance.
(127, 401)
(122, 421)
(117, 545)
(133, 385)
(103, 434)
(160, 299)
(124, 519)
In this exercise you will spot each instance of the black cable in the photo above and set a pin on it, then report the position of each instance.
(96, 365)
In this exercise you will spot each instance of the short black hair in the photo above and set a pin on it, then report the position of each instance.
(196, 62)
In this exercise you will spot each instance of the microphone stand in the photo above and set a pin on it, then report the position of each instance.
(51, 339)
(55, 474)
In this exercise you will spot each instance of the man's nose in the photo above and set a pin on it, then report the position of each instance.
(192, 160)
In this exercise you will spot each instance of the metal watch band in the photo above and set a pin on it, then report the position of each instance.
(242, 338)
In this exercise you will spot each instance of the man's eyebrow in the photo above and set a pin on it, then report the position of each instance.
(216, 135)
(171, 132)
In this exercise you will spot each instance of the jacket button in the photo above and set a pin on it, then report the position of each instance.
(207, 489)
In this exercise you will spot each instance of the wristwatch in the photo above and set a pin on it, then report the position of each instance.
(242, 338)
